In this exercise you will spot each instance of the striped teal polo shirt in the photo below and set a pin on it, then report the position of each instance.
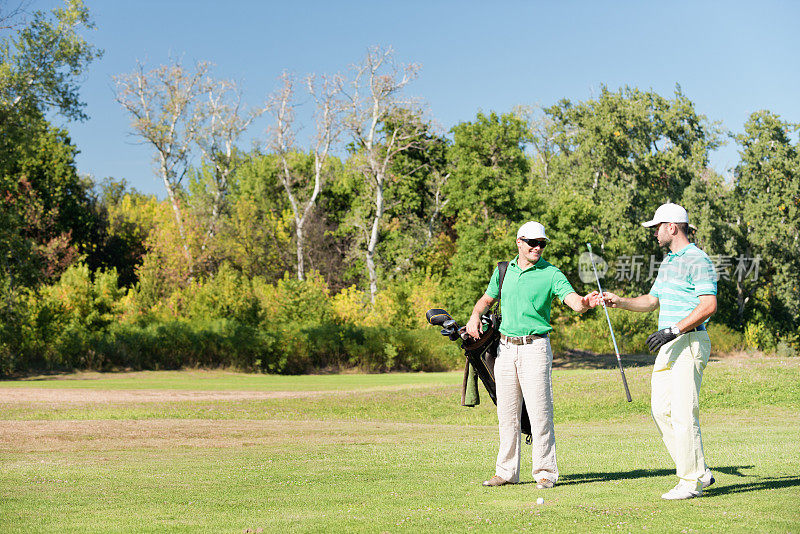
(682, 277)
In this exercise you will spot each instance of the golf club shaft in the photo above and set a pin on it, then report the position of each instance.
(610, 328)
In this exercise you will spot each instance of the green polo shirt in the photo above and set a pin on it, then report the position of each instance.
(527, 295)
(683, 277)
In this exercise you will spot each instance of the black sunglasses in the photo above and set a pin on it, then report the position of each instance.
(533, 243)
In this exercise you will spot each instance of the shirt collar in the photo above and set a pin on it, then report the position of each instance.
(682, 251)
(515, 263)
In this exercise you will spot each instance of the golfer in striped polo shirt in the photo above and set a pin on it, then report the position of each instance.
(685, 292)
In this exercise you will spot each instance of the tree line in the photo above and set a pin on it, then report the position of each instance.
(324, 249)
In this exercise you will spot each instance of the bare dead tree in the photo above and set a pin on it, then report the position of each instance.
(324, 92)
(439, 179)
(541, 136)
(14, 14)
(163, 104)
(223, 120)
(371, 96)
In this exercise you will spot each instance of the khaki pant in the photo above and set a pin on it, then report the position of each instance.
(675, 394)
(524, 371)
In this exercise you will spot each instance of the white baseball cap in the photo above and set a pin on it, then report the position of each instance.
(531, 230)
(669, 213)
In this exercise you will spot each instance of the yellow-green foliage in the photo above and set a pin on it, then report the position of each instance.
(306, 301)
(590, 332)
(82, 300)
(226, 295)
(758, 336)
(725, 340)
(403, 304)
(350, 305)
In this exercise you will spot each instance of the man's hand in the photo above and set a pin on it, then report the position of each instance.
(612, 300)
(591, 299)
(642, 303)
(474, 327)
(581, 304)
(659, 338)
(474, 324)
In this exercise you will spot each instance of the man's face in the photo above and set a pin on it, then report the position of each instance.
(530, 253)
(663, 234)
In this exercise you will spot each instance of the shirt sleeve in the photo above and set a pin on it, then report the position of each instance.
(493, 290)
(656, 289)
(561, 286)
(704, 277)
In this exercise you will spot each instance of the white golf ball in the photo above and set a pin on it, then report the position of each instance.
(539, 501)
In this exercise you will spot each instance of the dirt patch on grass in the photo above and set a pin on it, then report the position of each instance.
(172, 434)
(93, 396)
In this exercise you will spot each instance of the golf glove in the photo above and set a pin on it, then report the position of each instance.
(661, 337)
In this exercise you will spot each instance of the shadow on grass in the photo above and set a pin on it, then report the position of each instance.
(762, 483)
(735, 470)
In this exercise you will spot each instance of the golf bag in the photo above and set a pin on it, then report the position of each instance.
(481, 355)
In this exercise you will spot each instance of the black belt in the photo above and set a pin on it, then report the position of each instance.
(521, 340)
(700, 328)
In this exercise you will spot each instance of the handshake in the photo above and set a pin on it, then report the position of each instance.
(594, 298)
(655, 340)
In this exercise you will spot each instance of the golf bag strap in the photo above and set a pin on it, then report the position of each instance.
(502, 267)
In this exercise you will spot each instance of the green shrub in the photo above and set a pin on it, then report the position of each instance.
(176, 344)
(334, 347)
(724, 339)
(84, 321)
(292, 300)
(785, 350)
(226, 295)
(590, 332)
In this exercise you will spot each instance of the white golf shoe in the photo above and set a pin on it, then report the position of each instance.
(682, 491)
(707, 479)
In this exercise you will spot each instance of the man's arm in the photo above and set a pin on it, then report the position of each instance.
(581, 304)
(481, 307)
(642, 303)
(701, 312)
(705, 309)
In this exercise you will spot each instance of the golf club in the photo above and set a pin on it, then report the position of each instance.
(613, 339)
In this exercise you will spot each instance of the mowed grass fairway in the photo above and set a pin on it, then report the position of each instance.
(212, 451)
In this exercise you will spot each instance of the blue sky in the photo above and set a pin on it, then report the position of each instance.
(730, 58)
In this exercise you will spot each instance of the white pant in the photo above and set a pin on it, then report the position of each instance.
(524, 371)
(675, 401)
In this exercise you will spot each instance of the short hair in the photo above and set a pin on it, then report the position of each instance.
(683, 227)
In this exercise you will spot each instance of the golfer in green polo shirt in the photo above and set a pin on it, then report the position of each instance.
(685, 291)
(524, 359)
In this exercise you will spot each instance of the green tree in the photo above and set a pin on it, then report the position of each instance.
(767, 185)
(43, 63)
(628, 151)
(256, 236)
(413, 197)
(47, 212)
(488, 167)
(372, 96)
(50, 212)
(716, 212)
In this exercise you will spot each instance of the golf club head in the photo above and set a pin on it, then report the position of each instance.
(437, 316)
(450, 324)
